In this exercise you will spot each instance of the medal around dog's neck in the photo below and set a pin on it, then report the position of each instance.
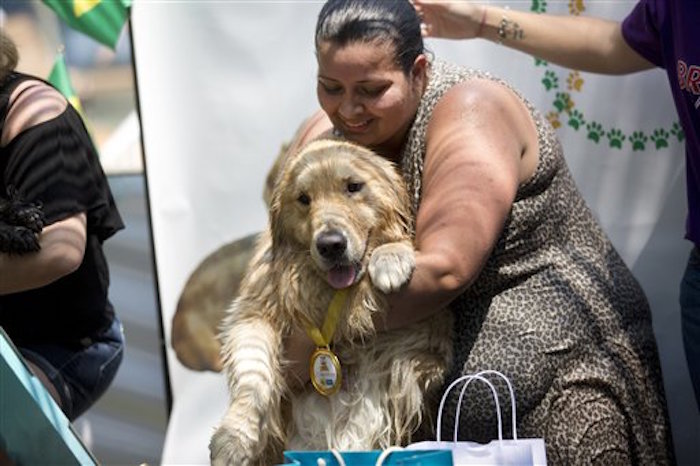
(324, 336)
(324, 365)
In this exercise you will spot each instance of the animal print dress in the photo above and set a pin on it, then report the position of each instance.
(557, 311)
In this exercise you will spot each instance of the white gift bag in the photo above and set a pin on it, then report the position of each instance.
(501, 452)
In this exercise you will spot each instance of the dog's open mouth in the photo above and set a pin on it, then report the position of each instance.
(342, 276)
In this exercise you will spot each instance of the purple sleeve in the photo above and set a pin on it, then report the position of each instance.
(640, 30)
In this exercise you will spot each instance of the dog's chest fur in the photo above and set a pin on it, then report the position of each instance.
(380, 401)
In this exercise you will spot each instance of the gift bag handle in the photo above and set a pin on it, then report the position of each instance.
(512, 401)
(447, 392)
(385, 454)
(380, 460)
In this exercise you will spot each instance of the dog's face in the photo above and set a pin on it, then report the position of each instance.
(337, 201)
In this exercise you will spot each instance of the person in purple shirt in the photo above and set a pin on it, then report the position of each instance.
(656, 33)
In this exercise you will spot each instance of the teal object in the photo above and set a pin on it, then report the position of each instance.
(33, 429)
(369, 458)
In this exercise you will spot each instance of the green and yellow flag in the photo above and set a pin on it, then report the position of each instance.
(102, 20)
(61, 80)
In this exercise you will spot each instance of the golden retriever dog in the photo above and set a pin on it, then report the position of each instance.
(339, 220)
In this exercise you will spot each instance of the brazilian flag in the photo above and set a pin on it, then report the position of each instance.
(61, 80)
(102, 20)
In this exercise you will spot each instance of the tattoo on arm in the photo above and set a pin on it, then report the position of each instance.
(508, 29)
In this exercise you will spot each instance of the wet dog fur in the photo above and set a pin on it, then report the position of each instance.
(339, 216)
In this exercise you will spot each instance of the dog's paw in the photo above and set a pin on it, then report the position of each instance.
(391, 266)
(17, 239)
(230, 447)
(15, 211)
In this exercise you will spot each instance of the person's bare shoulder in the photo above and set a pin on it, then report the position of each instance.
(31, 103)
(480, 95)
(485, 107)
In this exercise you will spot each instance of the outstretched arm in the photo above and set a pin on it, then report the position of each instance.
(62, 248)
(579, 42)
(480, 145)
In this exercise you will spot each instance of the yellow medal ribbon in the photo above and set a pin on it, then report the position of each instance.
(323, 337)
(324, 365)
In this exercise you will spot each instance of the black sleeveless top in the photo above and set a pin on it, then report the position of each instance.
(55, 163)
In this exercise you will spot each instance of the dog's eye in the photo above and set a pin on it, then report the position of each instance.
(355, 187)
(304, 199)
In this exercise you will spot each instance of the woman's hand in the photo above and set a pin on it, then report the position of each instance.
(450, 20)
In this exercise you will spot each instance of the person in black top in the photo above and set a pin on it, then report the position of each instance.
(53, 294)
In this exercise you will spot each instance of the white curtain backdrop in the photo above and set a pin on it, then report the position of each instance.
(223, 83)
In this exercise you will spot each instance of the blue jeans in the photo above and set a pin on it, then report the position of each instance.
(690, 318)
(81, 372)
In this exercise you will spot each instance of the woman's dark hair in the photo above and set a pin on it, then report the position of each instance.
(8, 55)
(345, 21)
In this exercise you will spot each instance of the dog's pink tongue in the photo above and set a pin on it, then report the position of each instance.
(341, 276)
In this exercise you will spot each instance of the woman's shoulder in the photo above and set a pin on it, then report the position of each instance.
(456, 85)
(316, 126)
(479, 95)
(31, 103)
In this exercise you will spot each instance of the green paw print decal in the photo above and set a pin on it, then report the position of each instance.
(638, 140)
(660, 137)
(550, 80)
(677, 131)
(576, 119)
(595, 131)
(538, 6)
(563, 108)
(562, 102)
(616, 138)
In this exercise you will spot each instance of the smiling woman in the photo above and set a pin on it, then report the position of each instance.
(370, 92)
(496, 243)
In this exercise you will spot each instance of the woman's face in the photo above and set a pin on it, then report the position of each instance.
(366, 95)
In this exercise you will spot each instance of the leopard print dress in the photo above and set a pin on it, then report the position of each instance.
(557, 311)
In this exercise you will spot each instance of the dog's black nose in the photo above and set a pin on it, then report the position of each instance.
(331, 245)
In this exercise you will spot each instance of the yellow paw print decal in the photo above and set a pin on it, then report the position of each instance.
(574, 82)
(576, 7)
(564, 114)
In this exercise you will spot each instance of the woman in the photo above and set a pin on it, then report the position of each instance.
(503, 239)
(654, 33)
(53, 301)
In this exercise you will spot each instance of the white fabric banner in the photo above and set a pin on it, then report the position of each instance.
(223, 84)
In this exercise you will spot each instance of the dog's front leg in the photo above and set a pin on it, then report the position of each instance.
(391, 265)
(251, 431)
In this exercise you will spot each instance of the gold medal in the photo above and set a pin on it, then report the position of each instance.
(324, 367)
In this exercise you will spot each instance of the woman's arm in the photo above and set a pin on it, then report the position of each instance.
(578, 42)
(481, 144)
(63, 242)
(62, 249)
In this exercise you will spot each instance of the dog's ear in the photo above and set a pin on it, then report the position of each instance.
(398, 218)
(393, 199)
(275, 217)
(280, 237)
(273, 174)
